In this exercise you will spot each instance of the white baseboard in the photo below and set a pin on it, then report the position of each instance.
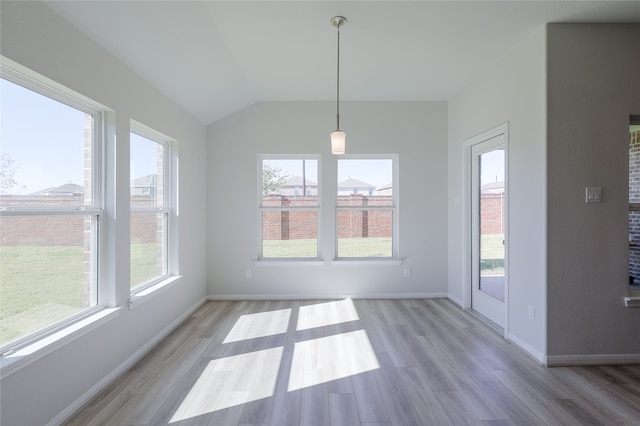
(128, 363)
(315, 296)
(596, 359)
(528, 349)
(455, 300)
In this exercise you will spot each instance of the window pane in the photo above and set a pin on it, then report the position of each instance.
(634, 163)
(365, 233)
(290, 233)
(365, 179)
(296, 181)
(148, 258)
(147, 165)
(45, 271)
(45, 156)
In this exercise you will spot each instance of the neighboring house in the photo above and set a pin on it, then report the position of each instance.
(385, 189)
(145, 185)
(493, 188)
(68, 189)
(293, 186)
(355, 186)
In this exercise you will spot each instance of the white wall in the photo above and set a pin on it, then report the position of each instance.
(513, 92)
(35, 37)
(594, 85)
(417, 131)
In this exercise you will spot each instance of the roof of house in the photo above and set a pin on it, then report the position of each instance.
(144, 181)
(493, 187)
(296, 181)
(67, 188)
(354, 183)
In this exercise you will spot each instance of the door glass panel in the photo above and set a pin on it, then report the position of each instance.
(491, 210)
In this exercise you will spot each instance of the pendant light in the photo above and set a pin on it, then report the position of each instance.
(338, 137)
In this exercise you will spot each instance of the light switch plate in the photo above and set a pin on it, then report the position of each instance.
(593, 194)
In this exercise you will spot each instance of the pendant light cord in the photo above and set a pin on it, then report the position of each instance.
(338, 84)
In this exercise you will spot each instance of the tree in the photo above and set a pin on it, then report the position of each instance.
(7, 171)
(272, 178)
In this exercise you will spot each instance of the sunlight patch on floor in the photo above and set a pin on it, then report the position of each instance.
(331, 358)
(232, 381)
(324, 314)
(260, 324)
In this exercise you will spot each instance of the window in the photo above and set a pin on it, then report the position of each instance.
(150, 206)
(289, 206)
(366, 216)
(50, 208)
(634, 201)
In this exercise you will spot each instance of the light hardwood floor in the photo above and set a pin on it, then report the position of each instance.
(360, 362)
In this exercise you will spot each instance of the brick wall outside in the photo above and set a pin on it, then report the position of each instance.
(302, 224)
(296, 224)
(278, 225)
(63, 230)
(42, 230)
(492, 213)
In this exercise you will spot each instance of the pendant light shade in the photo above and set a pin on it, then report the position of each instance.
(338, 137)
(338, 142)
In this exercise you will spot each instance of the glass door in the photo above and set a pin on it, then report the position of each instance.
(488, 228)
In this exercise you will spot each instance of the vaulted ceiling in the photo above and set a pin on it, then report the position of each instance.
(217, 57)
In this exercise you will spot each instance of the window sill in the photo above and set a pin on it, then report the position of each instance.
(288, 262)
(151, 291)
(366, 262)
(25, 355)
(335, 262)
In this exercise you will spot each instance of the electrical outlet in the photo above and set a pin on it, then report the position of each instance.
(531, 313)
(407, 272)
(248, 273)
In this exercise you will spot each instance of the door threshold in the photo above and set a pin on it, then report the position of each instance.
(487, 322)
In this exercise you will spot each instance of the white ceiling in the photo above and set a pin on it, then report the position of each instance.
(216, 57)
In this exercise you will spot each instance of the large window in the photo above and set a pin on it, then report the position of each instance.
(366, 207)
(289, 207)
(50, 208)
(150, 206)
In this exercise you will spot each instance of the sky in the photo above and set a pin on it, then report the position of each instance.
(492, 167)
(376, 172)
(43, 137)
(45, 140)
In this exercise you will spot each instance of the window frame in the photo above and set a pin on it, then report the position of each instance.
(29, 80)
(393, 208)
(261, 208)
(634, 206)
(167, 208)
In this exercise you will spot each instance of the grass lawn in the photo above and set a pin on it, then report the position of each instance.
(347, 247)
(144, 263)
(492, 262)
(40, 286)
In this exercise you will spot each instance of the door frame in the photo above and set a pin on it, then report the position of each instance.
(467, 208)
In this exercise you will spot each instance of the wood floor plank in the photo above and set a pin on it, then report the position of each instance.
(353, 362)
(314, 406)
(456, 407)
(343, 409)
(371, 407)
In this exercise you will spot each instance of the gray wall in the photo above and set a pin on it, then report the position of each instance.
(35, 37)
(417, 131)
(512, 92)
(593, 86)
